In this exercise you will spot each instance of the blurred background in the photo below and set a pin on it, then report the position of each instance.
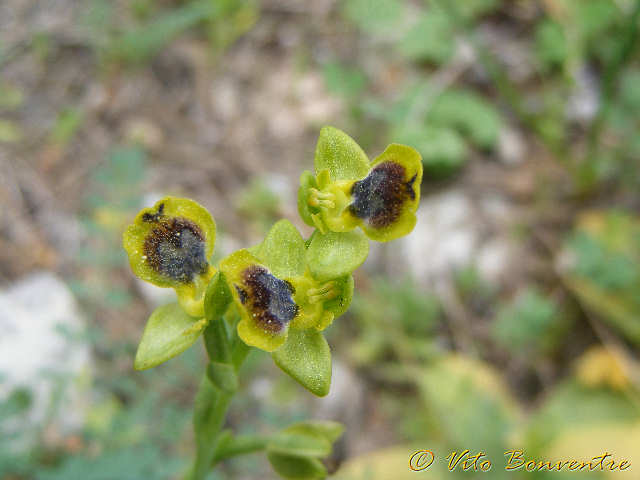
(510, 317)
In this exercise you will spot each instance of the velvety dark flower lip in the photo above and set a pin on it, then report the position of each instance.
(381, 195)
(175, 247)
(169, 245)
(268, 297)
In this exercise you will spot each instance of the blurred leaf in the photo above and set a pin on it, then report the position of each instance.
(585, 442)
(551, 43)
(485, 412)
(443, 150)
(431, 39)
(530, 324)
(569, 407)
(130, 463)
(141, 43)
(306, 358)
(374, 16)
(469, 113)
(344, 81)
(389, 463)
(604, 272)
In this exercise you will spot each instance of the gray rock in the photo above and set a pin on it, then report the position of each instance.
(43, 353)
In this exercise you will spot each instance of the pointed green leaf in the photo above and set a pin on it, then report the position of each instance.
(306, 358)
(341, 155)
(297, 468)
(332, 255)
(283, 250)
(169, 332)
(223, 376)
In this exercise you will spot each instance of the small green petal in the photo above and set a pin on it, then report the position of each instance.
(169, 332)
(306, 358)
(338, 305)
(307, 182)
(341, 155)
(283, 250)
(333, 255)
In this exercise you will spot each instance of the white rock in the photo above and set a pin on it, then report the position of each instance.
(42, 351)
(511, 146)
(454, 231)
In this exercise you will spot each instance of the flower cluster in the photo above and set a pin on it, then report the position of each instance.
(286, 290)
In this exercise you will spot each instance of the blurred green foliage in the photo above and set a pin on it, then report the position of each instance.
(530, 325)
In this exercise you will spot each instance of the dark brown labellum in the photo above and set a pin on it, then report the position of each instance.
(379, 197)
(175, 247)
(268, 299)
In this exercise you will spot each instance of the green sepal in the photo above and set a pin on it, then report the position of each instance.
(223, 376)
(341, 155)
(307, 181)
(282, 250)
(297, 468)
(306, 358)
(329, 430)
(332, 255)
(340, 304)
(217, 298)
(169, 332)
(299, 443)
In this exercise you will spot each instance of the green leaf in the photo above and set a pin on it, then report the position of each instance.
(551, 43)
(332, 255)
(217, 298)
(299, 443)
(297, 468)
(431, 39)
(223, 376)
(283, 250)
(169, 332)
(341, 155)
(443, 149)
(344, 81)
(374, 16)
(306, 358)
(470, 114)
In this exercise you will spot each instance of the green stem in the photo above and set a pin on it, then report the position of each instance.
(212, 403)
